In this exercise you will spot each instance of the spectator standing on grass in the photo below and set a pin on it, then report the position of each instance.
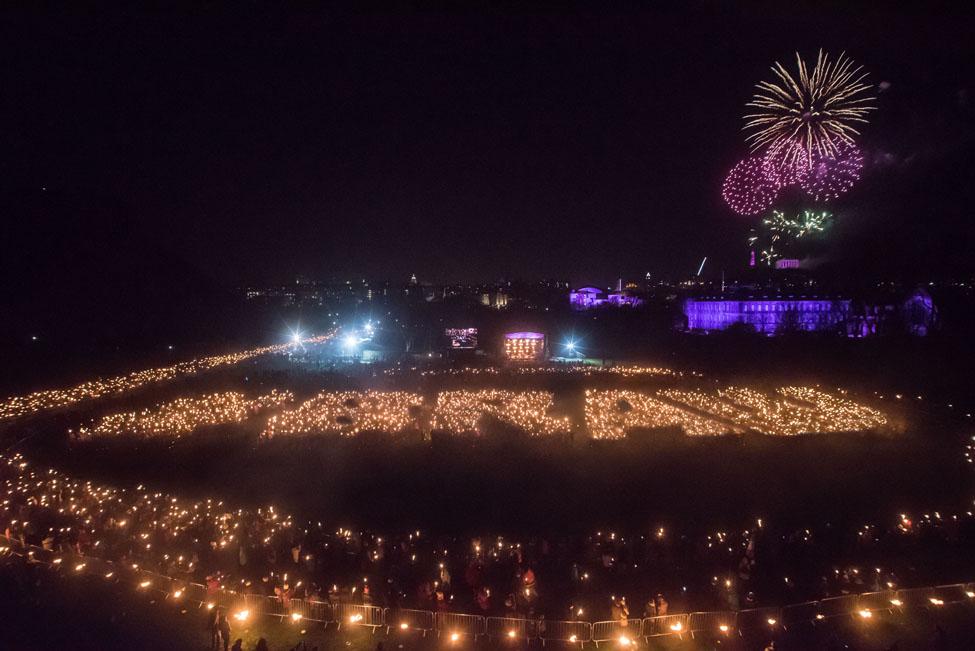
(213, 620)
(261, 645)
(224, 625)
(484, 600)
(528, 580)
(650, 610)
(620, 612)
(662, 605)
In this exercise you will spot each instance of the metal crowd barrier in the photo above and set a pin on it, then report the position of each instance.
(914, 597)
(877, 600)
(665, 625)
(757, 618)
(803, 613)
(951, 593)
(511, 627)
(405, 619)
(358, 615)
(712, 623)
(313, 611)
(457, 624)
(558, 631)
(845, 605)
(615, 629)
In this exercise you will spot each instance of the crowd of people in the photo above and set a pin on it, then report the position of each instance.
(586, 578)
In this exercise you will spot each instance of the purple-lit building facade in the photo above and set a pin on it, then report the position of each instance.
(768, 315)
(916, 314)
(586, 298)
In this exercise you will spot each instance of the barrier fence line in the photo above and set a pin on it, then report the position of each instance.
(665, 625)
(879, 601)
(616, 630)
(358, 615)
(454, 625)
(712, 623)
(838, 606)
(758, 618)
(511, 627)
(406, 619)
(558, 631)
(800, 613)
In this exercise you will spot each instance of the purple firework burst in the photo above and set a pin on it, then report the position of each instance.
(787, 165)
(748, 188)
(829, 177)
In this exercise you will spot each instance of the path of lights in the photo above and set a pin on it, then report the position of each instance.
(184, 415)
(624, 371)
(780, 416)
(348, 413)
(610, 414)
(123, 527)
(791, 411)
(820, 110)
(48, 399)
(709, 404)
(150, 531)
(461, 411)
(749, 189)
(839, 414)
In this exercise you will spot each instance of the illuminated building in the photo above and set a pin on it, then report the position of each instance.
(497, 299)
(524, 346)
(777, 314)
(585, 298)
(768, 315)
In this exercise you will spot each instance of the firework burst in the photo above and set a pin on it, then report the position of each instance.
(748, 188)
(819, 110)
(831, 176)
(787, 165)
(780, 233)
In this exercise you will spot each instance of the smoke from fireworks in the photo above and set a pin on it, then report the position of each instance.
(748, 188)
(829, 177)
(817, 110)
(779, 233)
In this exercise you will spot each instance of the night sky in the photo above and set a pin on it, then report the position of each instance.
(457, 141)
